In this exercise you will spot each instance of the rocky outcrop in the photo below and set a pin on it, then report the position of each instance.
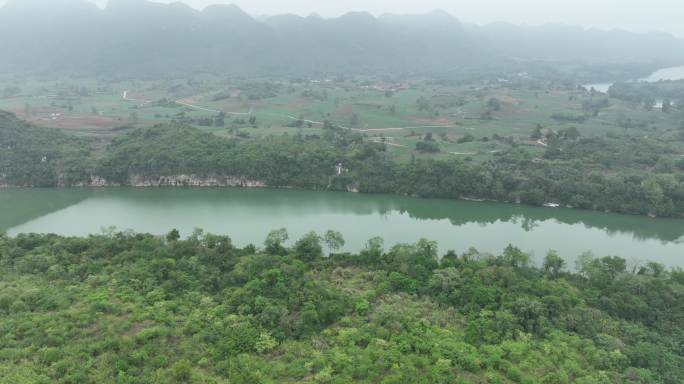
(194, 181)
(353, 188)
(96, 181)
(177, 181)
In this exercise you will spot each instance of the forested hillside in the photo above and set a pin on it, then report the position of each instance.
(39, 157)
(133, 308)
(609, 174)
(580, 173)
(98, 102)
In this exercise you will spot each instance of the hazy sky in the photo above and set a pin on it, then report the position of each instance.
(636, 15)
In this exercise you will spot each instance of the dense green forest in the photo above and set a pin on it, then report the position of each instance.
(611, 173)
(135, 308)
(39, 157)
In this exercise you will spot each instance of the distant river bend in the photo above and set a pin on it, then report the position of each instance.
(672, 73)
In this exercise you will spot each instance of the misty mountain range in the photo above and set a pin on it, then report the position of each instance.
(142, 38)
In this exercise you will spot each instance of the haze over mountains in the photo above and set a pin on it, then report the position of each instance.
(141, 38)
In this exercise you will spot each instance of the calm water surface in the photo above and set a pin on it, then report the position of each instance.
(672, 73)
(247, 215)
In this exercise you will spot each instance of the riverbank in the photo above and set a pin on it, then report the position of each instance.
(141, 181)
(216, 181)
(622, 172)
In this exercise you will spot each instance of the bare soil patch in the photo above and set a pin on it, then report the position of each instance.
(69, 122)
(422, 120)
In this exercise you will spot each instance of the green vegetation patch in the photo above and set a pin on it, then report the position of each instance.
(125, 307)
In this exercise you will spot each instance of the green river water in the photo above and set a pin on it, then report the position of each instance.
(247, 215)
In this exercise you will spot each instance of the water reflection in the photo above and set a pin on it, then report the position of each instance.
(248, 215)
(529, 218)
(20, 206)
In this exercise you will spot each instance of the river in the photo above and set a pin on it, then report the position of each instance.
(247, 215)
(672, 73)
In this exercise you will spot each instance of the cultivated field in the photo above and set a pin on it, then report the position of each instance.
(470, 121)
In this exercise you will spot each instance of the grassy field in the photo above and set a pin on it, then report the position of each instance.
(473, 122)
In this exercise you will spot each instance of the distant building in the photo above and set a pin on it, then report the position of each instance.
(339, 169)
(391, 87)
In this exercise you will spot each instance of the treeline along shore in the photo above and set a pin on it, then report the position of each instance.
(569, 174)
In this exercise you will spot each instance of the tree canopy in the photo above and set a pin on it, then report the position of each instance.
(618, 174)
(137, 308)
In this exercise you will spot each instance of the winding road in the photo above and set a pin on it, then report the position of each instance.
(193, 106)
